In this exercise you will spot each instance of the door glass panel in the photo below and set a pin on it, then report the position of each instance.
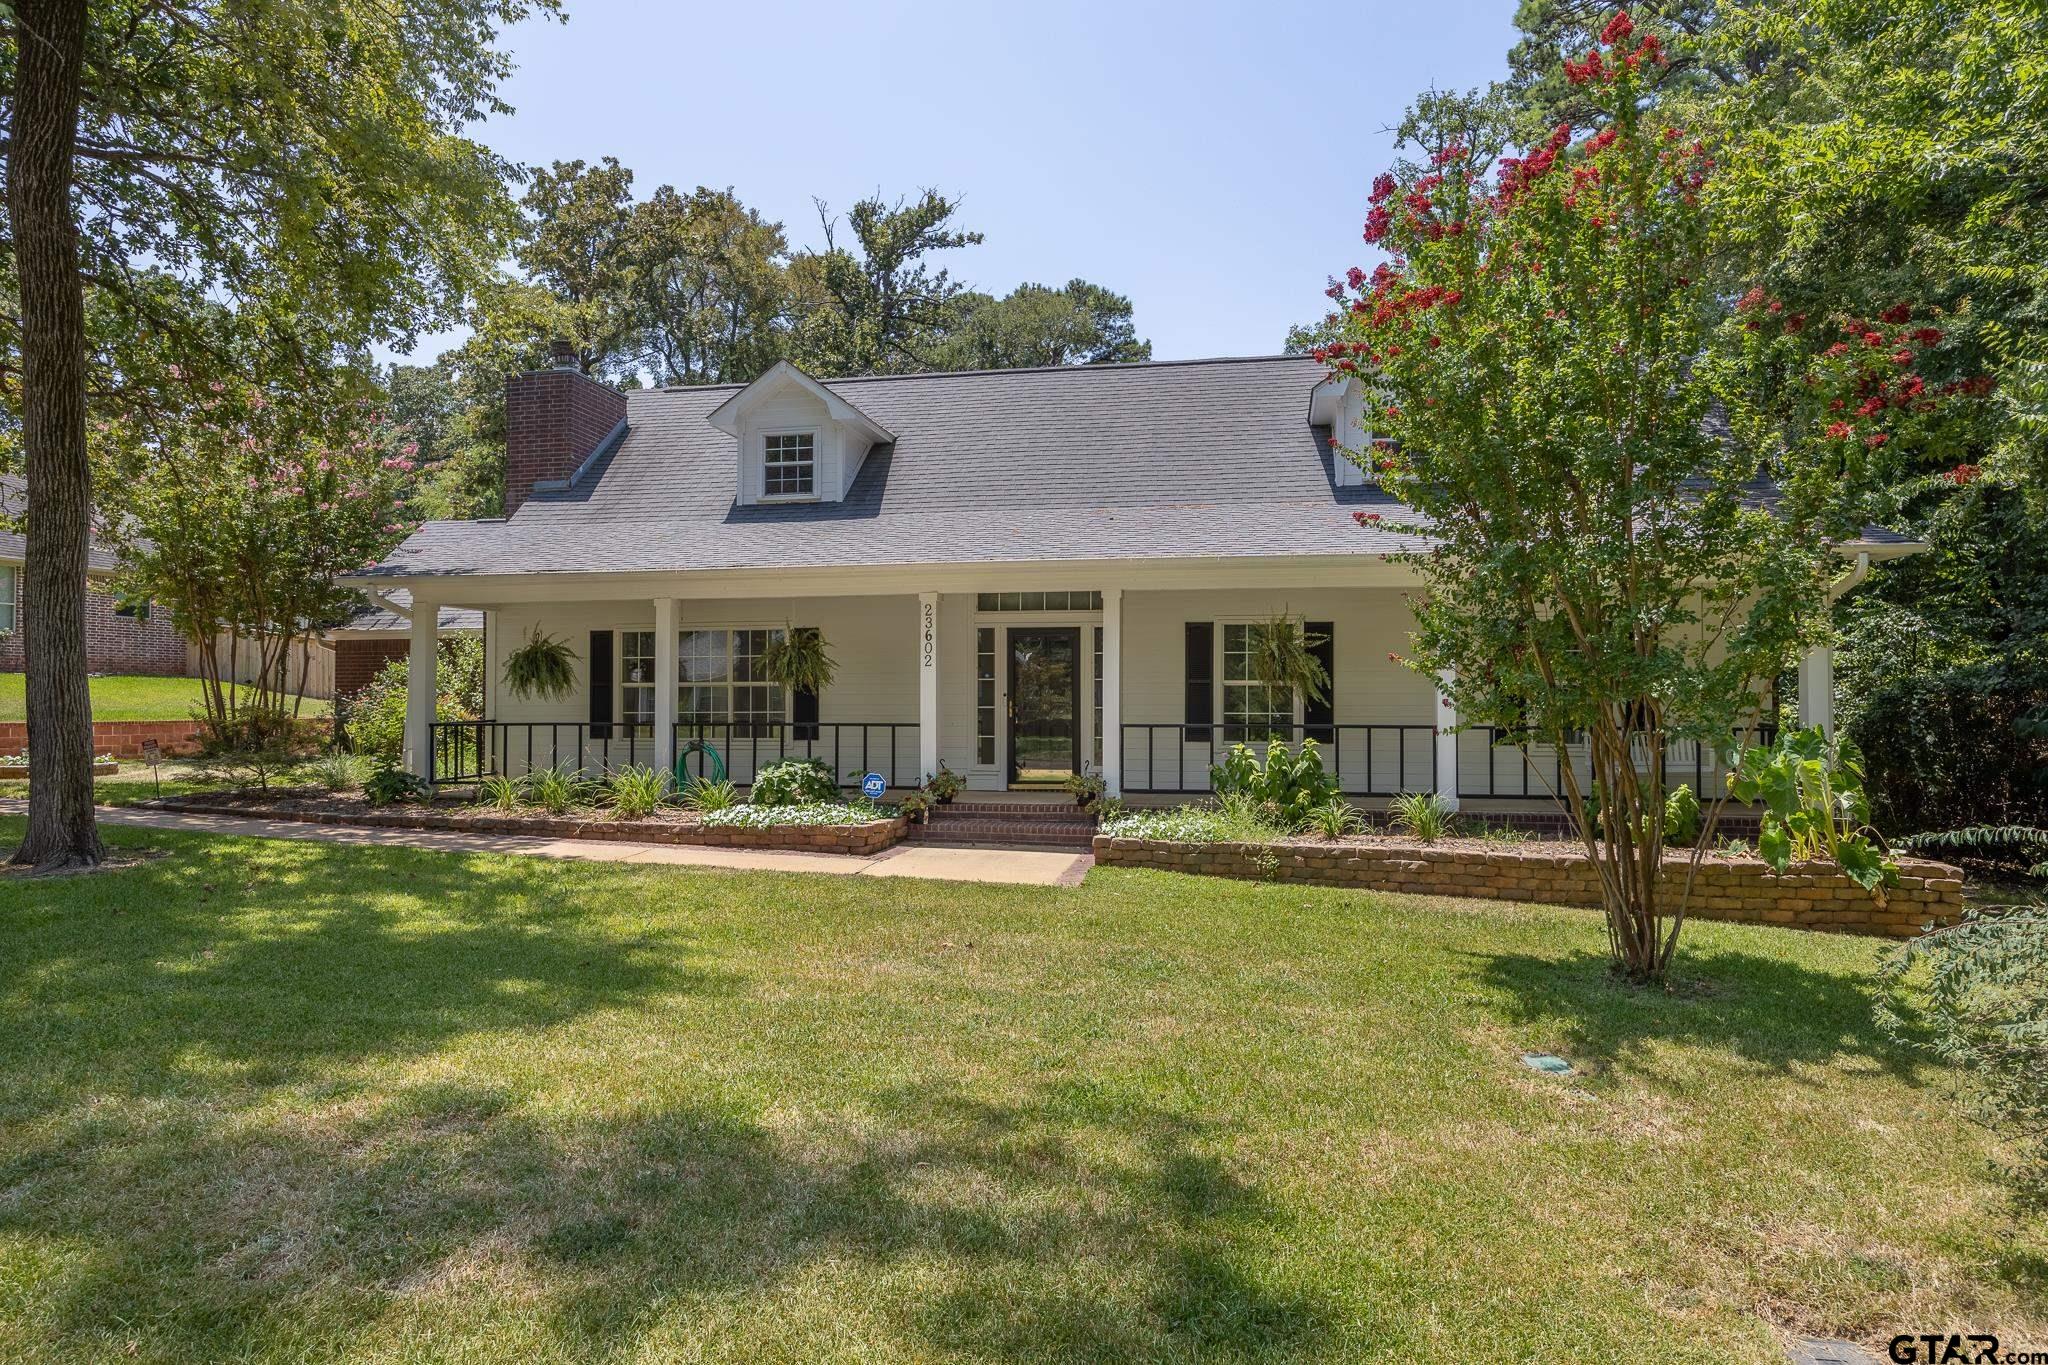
(1044, 704)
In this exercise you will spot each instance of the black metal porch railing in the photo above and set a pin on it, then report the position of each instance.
(471, 750)
(851, 748)
(1504, 748)
(1369, 760)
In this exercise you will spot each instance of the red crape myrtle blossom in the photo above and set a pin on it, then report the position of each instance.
(1536, 357)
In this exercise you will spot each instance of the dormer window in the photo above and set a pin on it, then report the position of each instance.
(790, 466)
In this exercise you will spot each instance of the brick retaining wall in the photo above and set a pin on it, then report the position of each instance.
(1808, 896)
(123, 738)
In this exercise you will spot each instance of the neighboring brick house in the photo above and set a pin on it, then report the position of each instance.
(118, 639)
(374, 637)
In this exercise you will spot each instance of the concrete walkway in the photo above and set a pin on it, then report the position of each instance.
(1023, 867)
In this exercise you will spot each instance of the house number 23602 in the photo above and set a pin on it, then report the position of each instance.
(929, 636)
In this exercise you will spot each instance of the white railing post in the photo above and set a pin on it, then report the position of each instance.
(665, 682)
(420, 691)
(927, 684)
(1113, 690)
(1446, 742)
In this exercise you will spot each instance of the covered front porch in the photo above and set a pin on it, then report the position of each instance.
(1016, 682)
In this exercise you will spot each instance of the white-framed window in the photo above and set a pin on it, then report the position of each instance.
(10, 589)
(720, 681)
(789, 467)
(1252, 710)
(636, 681)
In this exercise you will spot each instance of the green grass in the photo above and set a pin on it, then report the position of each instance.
(273, 1101)
(121, 697)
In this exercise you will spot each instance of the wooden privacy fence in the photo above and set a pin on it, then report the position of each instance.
(312, 660)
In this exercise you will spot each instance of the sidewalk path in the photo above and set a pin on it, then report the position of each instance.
(1026, 867)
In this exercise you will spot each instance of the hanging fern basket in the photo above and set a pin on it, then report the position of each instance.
(1283, 656)
(543, 667)
(798, 660)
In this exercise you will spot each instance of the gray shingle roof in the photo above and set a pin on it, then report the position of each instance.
(99, 558)
(1191, 458)
(1160, 460)
(374, 617)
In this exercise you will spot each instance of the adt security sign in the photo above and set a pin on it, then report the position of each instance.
(872, 786)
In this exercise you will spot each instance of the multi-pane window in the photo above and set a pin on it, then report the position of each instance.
(636, 681)
(791, 468)
(1252, 710)
(720, 681)
(7, 596)
(1098, 699)
(985, 695)
(1038, 601)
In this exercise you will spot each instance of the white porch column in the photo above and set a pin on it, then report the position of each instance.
(927, 684)
(1817, 690)
(1113, 690)
(419, 685)
(665, 682)
(1446, 743)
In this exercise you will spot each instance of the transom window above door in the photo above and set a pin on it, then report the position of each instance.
(721, 681)
(790, 467)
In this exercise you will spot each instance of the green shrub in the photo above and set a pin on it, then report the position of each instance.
(338, 771)
(1681, 816)
(794, 782)
(638, 791)
(1980, 1008)
(389, 786)
(376, 713)
(498, 792)
(704, 795)
(1291, 782)
(555, 790)
(1333, 819)
(1423, 815)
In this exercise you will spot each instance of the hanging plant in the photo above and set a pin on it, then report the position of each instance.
(799, 661)
(542, 667)
(1282, 655)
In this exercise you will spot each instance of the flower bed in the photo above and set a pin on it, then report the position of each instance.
(1728, 887)
(859, 830)
(16, 765)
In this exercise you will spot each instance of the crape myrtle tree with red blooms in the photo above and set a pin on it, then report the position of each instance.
(242, 513)
(1546, 374)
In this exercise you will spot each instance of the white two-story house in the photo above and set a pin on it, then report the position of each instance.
(1021, 574)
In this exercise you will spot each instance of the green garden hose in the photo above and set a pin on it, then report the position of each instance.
(697, 746)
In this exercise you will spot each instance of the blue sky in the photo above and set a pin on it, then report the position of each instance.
(1208, 160)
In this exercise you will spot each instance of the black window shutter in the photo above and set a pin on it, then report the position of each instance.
(1200, 711)
(601, 663)
(1318, 718)
(803, 704)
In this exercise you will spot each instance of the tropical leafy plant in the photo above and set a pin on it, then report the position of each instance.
(798, 660)
(1812, 793)
(555, 790)
(1423, 815)
(1980, 1007)
(498, 792)
(794, 782)
(638, 791)
(1282, 655)
(1290, 783)
(543, 667)
(1682, 816)
(705, 795)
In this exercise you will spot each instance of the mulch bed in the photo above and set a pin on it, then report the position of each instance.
(668, 825)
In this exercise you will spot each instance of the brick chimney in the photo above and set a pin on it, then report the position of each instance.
(554, 419)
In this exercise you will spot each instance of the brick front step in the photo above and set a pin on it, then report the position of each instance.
(1034, 813)
(955, 836)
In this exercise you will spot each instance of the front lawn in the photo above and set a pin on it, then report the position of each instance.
(130, 697)
(276, 1101)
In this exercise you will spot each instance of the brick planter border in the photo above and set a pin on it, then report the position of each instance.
(862, 840)
(1744, 890)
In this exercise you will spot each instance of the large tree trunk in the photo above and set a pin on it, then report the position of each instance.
(49, 43)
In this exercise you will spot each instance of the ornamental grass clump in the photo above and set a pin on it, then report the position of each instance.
(637, 791)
